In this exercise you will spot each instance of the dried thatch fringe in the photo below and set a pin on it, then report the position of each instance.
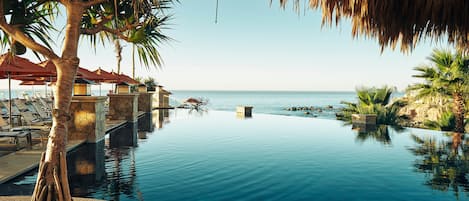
(400, 22)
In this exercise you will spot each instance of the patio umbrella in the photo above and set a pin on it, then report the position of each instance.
(127, 79)
(111, 77)
(11, 65)
(106, 76)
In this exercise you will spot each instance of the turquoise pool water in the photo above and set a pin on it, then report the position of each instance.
(216, 156)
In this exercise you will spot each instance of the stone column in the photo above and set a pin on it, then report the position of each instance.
(145, 101)
(123, 107)
(145, 104)
(158, 99)
(88, 118)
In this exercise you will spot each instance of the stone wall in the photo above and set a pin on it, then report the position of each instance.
(123, 107)
(145, 101)
(87, 118)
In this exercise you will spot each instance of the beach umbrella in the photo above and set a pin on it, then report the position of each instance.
(86, 74)
(401, 22)
(127, 79)
(32, 83)
(106, 77)
(11, 65)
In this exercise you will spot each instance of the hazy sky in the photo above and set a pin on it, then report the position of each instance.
(255, 46)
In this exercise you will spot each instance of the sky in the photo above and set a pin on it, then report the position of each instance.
(255, 46)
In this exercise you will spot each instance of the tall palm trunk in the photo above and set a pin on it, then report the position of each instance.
(52, 181)
(133, 61)
(118, 49)
(459, 111)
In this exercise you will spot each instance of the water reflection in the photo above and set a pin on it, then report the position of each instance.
(160, 117)
(445, 162)
(121, 175)
(86, 168)
(378, 133)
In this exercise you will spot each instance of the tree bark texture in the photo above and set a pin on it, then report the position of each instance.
(52, 181)
(459, 112)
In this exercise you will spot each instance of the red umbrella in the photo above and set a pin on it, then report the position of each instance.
(106, 76)
(33, 82)
(15, 65)
(86, 74)
(81, 72)
(11, 65)
(48, 65)
(126, 79)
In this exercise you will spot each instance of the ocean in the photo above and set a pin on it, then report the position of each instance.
(325, 104)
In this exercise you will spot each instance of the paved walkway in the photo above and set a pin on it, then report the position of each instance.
(19, 162)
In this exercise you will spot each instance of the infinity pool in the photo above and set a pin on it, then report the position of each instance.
(217, 156)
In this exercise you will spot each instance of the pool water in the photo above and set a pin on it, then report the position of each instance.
(216, 156)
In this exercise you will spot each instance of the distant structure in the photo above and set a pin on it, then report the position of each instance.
(162, 98)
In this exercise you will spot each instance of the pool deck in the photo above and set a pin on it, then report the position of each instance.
(22, 161)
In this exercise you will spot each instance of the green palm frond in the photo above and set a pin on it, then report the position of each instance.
(150, 17)
(448, 74)
(33, 18)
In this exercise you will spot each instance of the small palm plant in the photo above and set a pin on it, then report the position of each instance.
(151, 83)
(373, 101)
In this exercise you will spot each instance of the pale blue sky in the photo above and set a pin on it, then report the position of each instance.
(258, 47)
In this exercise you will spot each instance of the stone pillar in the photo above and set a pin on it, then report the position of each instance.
(145, 104)
(145, 101)
(158, 99)
(123, 107)
(88, 118)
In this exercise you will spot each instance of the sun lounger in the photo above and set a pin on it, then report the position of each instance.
(20, 105)
(16, 135)
(45, 103)
(29, 118)
(5, 104)
(4, 125)
(40, 110)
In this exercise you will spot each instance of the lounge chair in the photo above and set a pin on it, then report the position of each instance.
(20, 105)
(40, 110)
(29, 118)
(16, 135)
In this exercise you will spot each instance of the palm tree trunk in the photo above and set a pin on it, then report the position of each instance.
(118, 49)
(133, 61)
(459, 111)
(52, 180)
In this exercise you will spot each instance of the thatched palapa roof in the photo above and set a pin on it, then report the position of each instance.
(403, 22)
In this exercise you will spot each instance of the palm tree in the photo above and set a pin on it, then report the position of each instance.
(447, 75)
(151, 83)
(373, 101)
(135, 20)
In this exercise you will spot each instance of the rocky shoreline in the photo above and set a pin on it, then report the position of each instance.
(312, 110)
